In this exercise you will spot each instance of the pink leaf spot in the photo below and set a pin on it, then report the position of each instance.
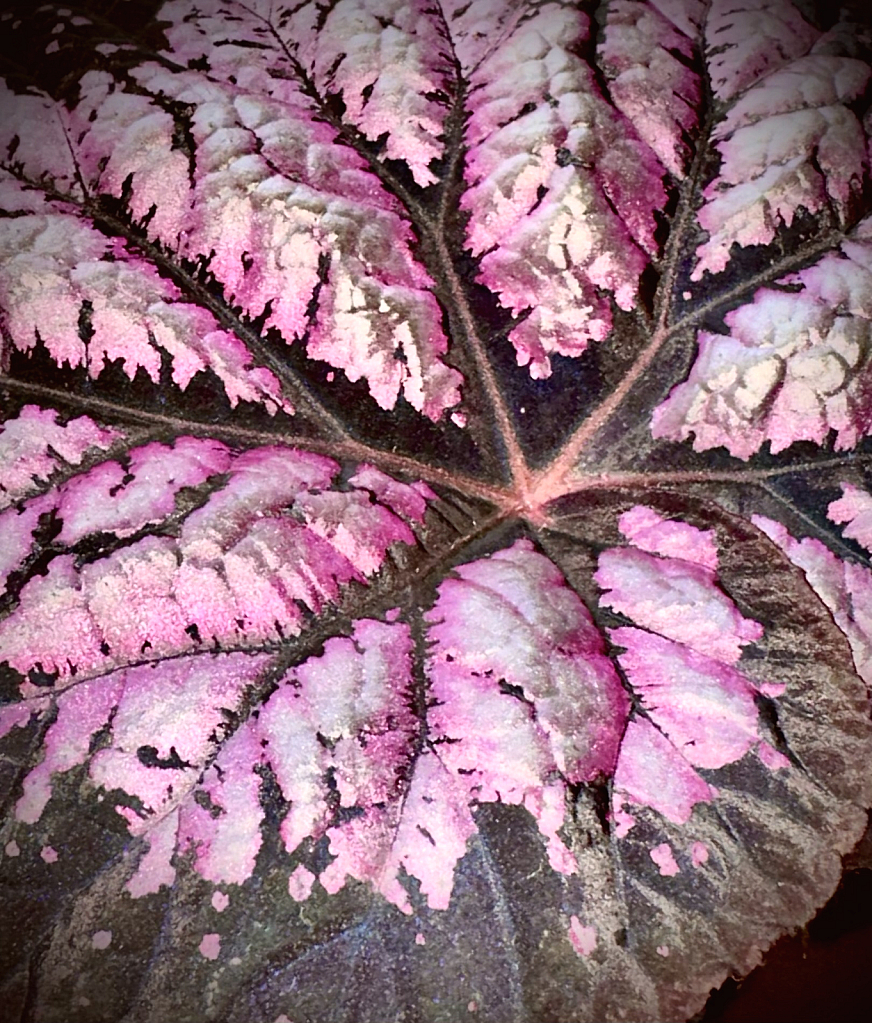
(650, 531)
(12, 848)
(220, 901)
(583, 938)
(699, 853)
(101, 939)
(420, 939)
(623, 821)
(771, 688)
(855, 509)
(472, 1007)
(662, 856)
(770, 756)
(663, 950)
(48, 854)
(210, 946)
(300, 883)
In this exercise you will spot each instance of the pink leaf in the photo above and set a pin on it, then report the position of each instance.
(706, 708)
(651, 772)
(123, 500)
(790, 143)
(748, 40)
(226, 843)
(649, 531)
(81, 712)
(387, 75)
(535, 636)
(211, 578)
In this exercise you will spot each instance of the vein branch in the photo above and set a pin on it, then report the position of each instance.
(553, 479)
(453, 291)
(440, 261)
(741, 477)
(349, 449)
(199, 294)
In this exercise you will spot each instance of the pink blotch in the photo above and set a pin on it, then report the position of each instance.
(210, 946)
(116, 768)
(663, 950)
(472, 1007)
(155, 868)
(300, 883)
(840, 585)
(583, 938)
(14, 715)
(662, 856)
(651, 772)
(427, 841)
(678, 599)
(12, 848)
(420, 939)
(854, 508)
(48, 854)
(227, 846)
(353, 526)
(52, 624)
(101, 939)
(82, 711)
(699, 853)
(647, 529)
(30, 442)
(220, 901)
(405, 498)
(770, 756)
(111, 498)
(623, 821)
(704, 706)
(525, 616)
(17, 530)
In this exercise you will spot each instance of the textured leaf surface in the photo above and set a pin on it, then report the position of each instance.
(793, 367)
(434, 515)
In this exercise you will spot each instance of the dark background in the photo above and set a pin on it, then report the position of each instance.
(823, 974)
